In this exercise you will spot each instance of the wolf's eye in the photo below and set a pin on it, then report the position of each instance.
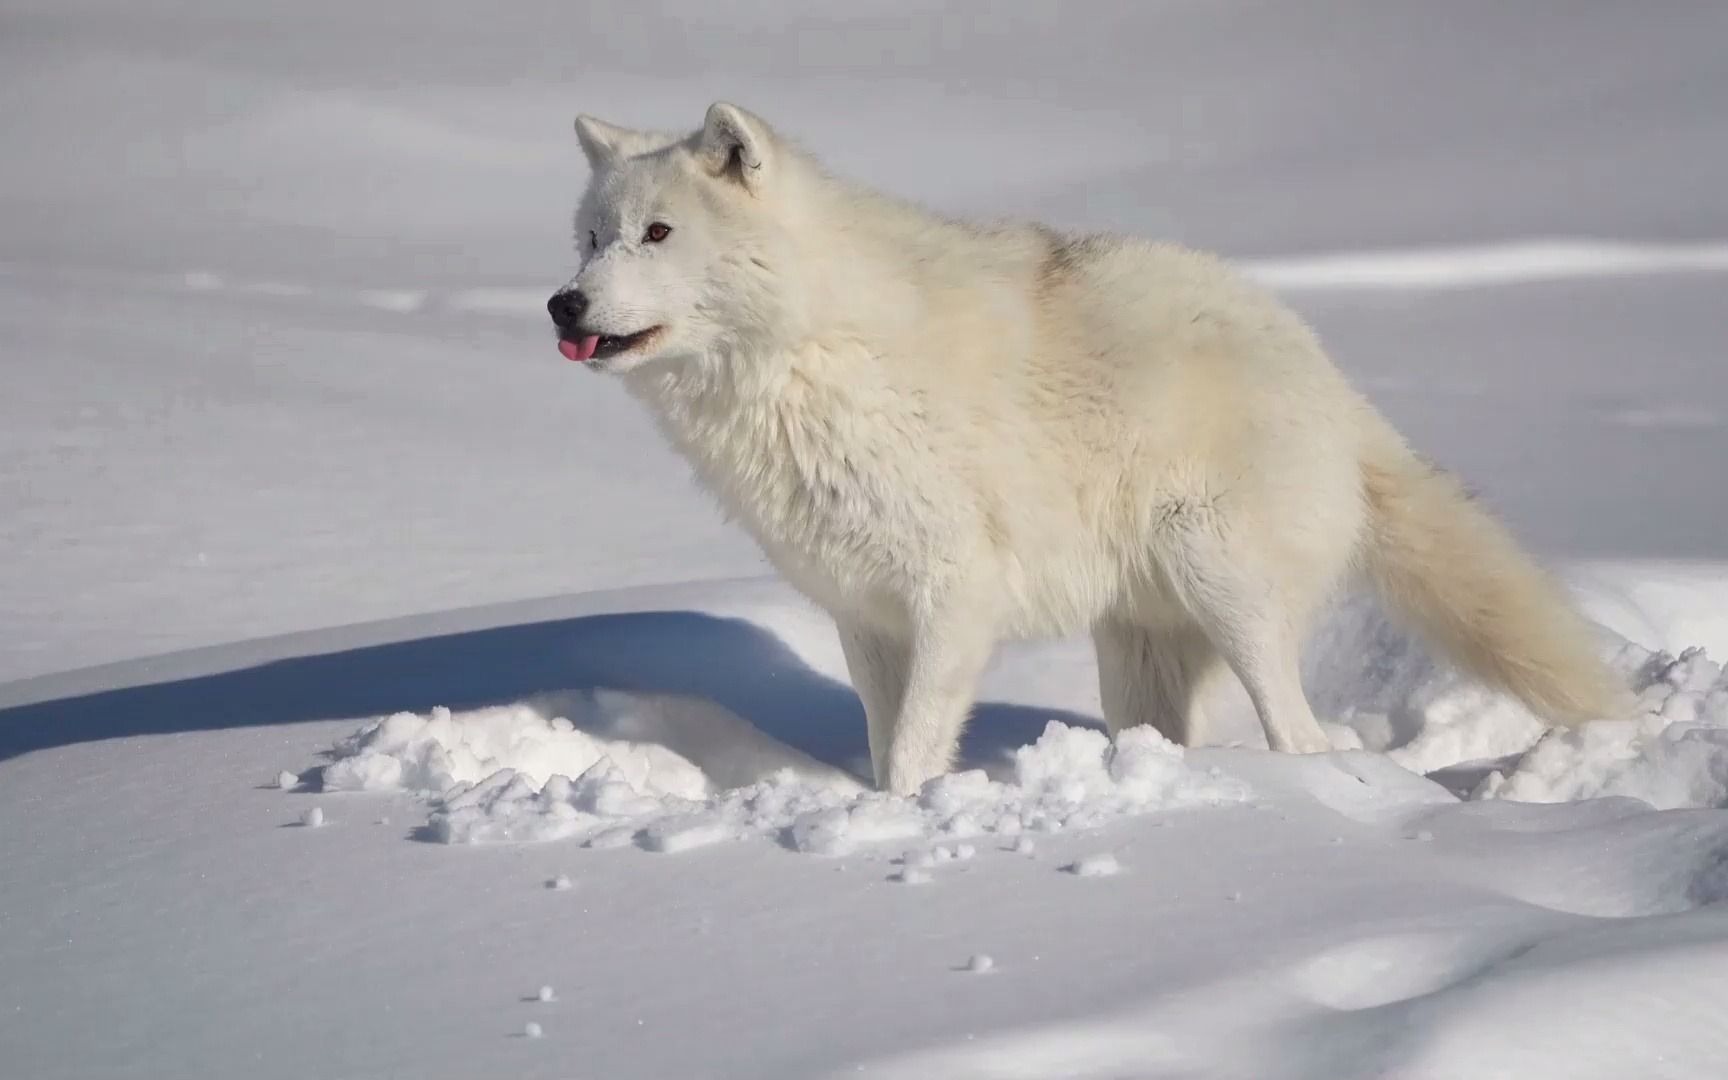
(657, 232)
(593, 241)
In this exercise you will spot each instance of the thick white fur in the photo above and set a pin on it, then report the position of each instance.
(950, 434)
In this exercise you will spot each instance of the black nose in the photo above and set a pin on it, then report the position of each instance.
(566, 308)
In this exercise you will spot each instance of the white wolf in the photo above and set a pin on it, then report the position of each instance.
(949, 434)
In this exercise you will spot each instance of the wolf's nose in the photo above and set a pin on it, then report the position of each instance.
(566, 308)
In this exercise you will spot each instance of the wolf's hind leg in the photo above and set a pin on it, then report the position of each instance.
(1255, 625)
(1148, 676)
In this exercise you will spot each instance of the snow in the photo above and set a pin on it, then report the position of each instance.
(637, 736)
(292, 488)
(1102, 865)
(1674, 754)
(1672, 751)
(1670, 606)
(528, 773)
(1481, 265)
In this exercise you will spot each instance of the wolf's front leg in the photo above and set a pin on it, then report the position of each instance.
(949, 649)
(879, 664)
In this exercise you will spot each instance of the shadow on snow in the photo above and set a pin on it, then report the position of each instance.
(734, 663)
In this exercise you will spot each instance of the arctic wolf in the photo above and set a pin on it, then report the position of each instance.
(950, 434)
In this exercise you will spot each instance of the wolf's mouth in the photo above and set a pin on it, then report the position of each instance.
(586, 348)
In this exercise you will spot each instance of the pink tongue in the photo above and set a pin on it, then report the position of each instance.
(579, 351)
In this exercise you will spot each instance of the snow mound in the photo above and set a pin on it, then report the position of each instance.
(528, 772)
(1672, 753)
(651, 740)
(443, 750)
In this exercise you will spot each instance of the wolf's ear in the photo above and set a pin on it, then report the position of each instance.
(736, 145)
(600, 140)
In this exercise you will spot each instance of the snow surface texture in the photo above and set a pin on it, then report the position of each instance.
(524, 773)
(1673, 754)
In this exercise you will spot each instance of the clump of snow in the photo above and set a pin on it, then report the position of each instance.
(1460, 720)
(1669, 750)
(911, 875)
(524, 772)
(313, 818)
(547, 994)
(981, 964)
(561, 883)
(439, 750)
(1672, 753)
(532, 1030)
(287, 781)
(1025, 846)
(1104, 865)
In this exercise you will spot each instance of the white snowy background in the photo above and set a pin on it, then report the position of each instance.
(295, 492)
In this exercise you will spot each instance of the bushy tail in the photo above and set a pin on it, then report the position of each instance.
(1440, 560)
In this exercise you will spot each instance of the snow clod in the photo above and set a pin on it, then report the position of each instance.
(1104, 865)
(524, 772)
(313, 818)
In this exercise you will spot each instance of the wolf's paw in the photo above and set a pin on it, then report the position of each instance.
(1305, 742)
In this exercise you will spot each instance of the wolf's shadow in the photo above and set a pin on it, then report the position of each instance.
(731, 662)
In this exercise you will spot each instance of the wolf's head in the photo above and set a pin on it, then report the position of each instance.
(679, 239)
